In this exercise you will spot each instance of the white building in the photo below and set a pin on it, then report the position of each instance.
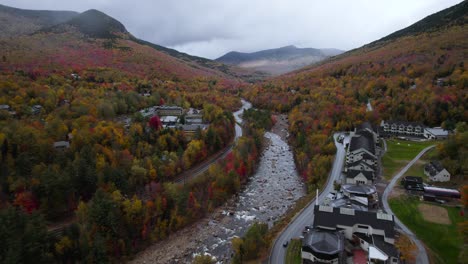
(402, 128)
(435, 133)
(436, 172)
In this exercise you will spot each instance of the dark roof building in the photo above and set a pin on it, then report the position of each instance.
(401, 128)
(436, 172)
(374, 232)
(413, 179)
(331, 218)
(362, 140)
(434, 167)
(361, 164)
(319, 246)
(365, 126)
(354, 173)
(413, 183)
(61, 145)
(360, 190)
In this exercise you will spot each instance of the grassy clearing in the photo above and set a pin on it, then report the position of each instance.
(418, 168)
(293, 253)
(445, 241)
(399, 153)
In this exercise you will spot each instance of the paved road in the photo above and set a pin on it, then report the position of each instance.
(422, 254)
(296, 226)
(202, 167)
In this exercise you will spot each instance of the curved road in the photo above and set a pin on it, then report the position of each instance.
(202, 167)
(189, 174)
(422, 254)
(306, 216)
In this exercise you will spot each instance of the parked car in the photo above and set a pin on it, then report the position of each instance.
(285, 244)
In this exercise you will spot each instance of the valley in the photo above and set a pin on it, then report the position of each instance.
(269, 193)
(114, 149)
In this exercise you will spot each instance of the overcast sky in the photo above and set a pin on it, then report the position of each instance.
(210, 28)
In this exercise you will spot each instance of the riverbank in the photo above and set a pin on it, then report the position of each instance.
(271, 191)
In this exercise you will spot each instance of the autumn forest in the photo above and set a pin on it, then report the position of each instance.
(113, 189)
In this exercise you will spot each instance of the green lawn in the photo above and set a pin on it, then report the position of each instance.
(444, 241)
(293, 253)
(418, 168)
(399, 153)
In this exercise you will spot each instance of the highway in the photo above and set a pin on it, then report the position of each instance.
(421, 258)
(306, 216)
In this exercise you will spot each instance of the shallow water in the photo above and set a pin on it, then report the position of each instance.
(270, 192)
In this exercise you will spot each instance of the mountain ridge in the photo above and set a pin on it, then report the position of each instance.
(94, 23)
(451, 16)
(18, 21)
(279, 60)
(98, 25)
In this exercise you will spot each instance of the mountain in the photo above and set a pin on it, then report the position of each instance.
(278, 61)
(416, 74)
(449, 23)
(94, 23)
(68, 41)
(455, 15)
(17, 21)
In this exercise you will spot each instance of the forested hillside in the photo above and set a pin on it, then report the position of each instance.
(84, 175)
(420, 77)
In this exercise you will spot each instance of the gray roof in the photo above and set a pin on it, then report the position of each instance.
(326, 242)
(434, 167)
(353, 173)
(413, 179)
(61, 144)
(332, 217)
(379, 242)
(359, 189)
(192, 127)
(405, 123)
(169, 107)
(348, 203)
(437, 131)
(362, 162)
(364, 126)
(362, 139)
(388, 248)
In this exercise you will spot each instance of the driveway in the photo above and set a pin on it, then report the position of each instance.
(422, 254)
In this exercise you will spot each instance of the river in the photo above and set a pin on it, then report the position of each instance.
(270, 192)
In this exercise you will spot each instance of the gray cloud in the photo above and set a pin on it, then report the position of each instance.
(210, 28)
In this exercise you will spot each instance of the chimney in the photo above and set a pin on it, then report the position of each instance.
(316, 198)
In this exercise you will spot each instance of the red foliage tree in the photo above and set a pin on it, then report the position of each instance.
(155, 122)
(27, 201)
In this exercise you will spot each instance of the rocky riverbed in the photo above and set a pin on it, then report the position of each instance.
(270, 192)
